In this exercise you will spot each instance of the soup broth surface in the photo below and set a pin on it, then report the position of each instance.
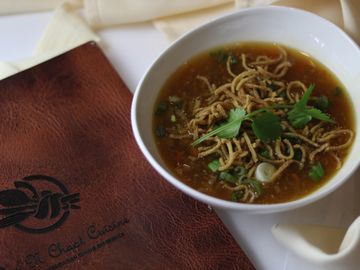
(174, 109)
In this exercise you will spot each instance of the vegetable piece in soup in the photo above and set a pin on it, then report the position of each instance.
(254, 123)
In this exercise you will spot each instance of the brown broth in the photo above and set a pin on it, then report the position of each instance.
(293, 183)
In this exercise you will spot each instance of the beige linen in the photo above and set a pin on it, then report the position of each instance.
(189, 13)
(351, 13)
(174, 26)
(110, 12)
(65, 31)
(322, 247)
(20, 6)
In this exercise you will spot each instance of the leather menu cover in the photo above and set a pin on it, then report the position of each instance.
(75, 191)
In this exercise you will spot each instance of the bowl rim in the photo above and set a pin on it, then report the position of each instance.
(208, 199)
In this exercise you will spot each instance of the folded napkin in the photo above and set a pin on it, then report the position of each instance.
(321, 247)
(65, 31)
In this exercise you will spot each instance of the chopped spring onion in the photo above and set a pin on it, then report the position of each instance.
(228, 177)
(316, 172)
(237, 195)
(161, 108)
(173, 118)
(240, 171)
(265, 153)
(255, 184)
(214, 165)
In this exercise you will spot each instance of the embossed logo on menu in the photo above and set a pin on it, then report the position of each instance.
(37, 204)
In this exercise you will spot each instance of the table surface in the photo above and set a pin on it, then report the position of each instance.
(124, 46)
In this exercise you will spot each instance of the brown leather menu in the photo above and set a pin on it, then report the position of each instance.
(76, 193)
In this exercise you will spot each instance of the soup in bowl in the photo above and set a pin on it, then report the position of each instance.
(253, 111)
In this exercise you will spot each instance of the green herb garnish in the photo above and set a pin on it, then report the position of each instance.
(322, 103)
(316, 172)
(265, 153)
(228, 177)
(173, 118)
(160, 131)
(300, 114)
(266, 127)
(255, 184)
(297, 154)
(229, 129)
(221, 56)
(161, 108)
(232, 130)
(214, 165)
(237, 195)
(240, 171)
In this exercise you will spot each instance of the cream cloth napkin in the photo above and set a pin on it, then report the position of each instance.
(323, 247)
(65, 31)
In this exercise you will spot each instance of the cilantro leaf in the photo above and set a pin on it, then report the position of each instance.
(300, 114)
(267, 127)
(316, 172)
(317, 114)
(298, 118)
(229, 129)
(305, 98)
(233, 130)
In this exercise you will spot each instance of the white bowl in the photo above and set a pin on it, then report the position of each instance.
(291, 27)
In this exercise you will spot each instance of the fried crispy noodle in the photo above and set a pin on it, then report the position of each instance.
(250, 146)
(317, 151)
(303, 138)
(249, 195)
(286, 145)
(208, 150)
(260, 84)
(303, 154)
(282, 168)
(295, 91)
(336, 133)
(231, 155)
(206, 81)
(241, 79)
(228, 67)
(337, 160)
(243, 61)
